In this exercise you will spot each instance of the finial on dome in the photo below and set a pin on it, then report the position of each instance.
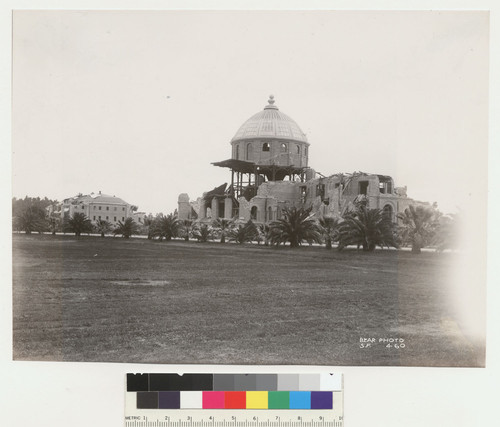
(271, 105)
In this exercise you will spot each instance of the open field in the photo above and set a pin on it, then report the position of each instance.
(118, 300)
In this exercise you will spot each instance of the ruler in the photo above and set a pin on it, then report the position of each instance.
(236, 418)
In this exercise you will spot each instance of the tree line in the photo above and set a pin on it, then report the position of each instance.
(365, 228)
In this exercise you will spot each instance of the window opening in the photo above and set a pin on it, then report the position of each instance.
(320, 191)
(385, 185)
(222, 205)
(388, 211)
(363, 187)
(303, 193)
(253, 213)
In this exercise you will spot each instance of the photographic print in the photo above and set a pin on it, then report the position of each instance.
(250, 187)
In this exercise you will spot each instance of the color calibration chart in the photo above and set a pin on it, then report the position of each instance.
(234, 400)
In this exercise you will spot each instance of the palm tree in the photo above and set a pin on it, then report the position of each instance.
(265, 232)
(79, 224)
(31, 219)
(329, 230)
(54, 219)
(243, 233)
(203, 233)
(54, 223)
(223, 226)
(126, 228)
(186, 228)
(165, 227)
(367, 228)
(147, 224)
(102, 226)
(418, 227)
(295, 227)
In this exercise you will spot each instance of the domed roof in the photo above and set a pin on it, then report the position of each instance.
(270, 123)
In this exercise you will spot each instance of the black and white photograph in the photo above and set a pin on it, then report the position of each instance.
(250, 187)
(232, 187)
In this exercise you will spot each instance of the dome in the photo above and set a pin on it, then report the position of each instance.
(270, 123)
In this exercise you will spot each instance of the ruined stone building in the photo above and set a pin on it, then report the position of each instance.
(269, 171)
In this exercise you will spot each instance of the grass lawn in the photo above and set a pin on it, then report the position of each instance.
(119, 300)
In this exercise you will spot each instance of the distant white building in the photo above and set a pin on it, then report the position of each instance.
(138, 217)
(96, 206)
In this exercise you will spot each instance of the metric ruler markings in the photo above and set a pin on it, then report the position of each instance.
(159, 423)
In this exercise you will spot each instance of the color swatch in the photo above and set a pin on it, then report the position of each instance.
(234, 391)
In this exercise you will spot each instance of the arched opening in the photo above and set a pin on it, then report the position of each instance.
(388, 212)
(253, 213)
(269, 214)
(306, 151)
(222, 204)
(237, 153)
(298, 149)
(284, 147)
(265, 146)
(249, 150)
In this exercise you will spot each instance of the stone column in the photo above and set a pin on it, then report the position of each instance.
(228, 207)
(184, 209)
(215, 208)
(203, 209)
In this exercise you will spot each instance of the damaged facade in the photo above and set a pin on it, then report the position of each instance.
(269, 172)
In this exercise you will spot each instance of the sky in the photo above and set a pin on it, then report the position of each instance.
(139, 104)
